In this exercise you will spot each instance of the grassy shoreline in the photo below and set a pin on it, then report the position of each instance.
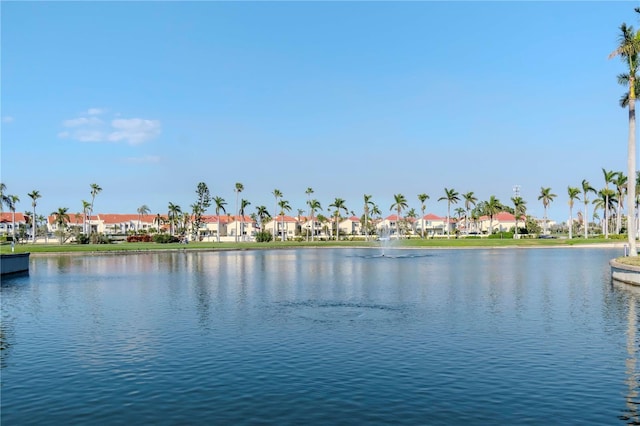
(131, 248)
(212, 246)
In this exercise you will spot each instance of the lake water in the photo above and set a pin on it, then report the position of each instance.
(321, 336)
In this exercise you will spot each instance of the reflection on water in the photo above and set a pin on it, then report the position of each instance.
(321, 336)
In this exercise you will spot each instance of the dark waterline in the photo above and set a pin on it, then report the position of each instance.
(344, 336)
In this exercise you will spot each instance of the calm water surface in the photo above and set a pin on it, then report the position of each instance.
(344, 336)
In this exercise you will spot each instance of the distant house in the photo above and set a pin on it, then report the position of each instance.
(389, 225)
(350, 226)
(501, 222)
(6, 222)
(283, 225)
(244, 225)
(433, 225)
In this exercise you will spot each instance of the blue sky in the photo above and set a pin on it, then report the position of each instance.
(149, 98)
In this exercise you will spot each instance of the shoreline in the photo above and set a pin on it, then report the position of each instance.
(617, 245)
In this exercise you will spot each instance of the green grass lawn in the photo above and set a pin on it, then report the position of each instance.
(413, 243)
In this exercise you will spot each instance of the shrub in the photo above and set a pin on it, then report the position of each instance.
(263, 237)
(144, 238)
(164, 239)
(82, 239)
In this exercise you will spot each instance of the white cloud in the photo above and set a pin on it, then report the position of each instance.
(95, 111)
(7, 119)
(82, 121)
(134, 130)
(89, 128)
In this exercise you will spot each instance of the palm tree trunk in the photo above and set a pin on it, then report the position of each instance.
(586, 221)
(631, 171)
(570, 222)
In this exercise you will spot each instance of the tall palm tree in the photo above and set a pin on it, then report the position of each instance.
(628, 50)
(314, 205)
(158, 221)
(469, 200)
(399, 204)
(338, 204)
(284, 207)
(219, 203)
(174, 211)
(547, 197)
(85, 211)
(492, 208)
(586, 189)
(603, 201)
(142, 210)
(13, 200)
(309, 191)
(4, 199)
(34, 195)
(367, 204)
(95, 190)
(238, 189)
(574, 194)
(609, 176)
(61, 219)
(243, 205)
(518, 210)
(423, 199)
(277, 194)
(621, 187)
(262, 214)
(452, 198)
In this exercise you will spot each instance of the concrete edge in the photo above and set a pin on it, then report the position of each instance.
(627, 274)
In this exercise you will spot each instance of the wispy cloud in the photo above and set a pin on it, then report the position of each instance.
(8, 119)
(89, 128)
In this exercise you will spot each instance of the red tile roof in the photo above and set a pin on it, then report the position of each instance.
(8, 217)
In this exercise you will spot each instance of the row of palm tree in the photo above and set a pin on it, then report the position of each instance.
(178, 220)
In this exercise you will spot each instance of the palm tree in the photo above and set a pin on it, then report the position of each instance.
(314, 205)
(277, 194)
(61, 219)
(586, 189)
(621, 186)
(174, 211)
(519, 210)
(604, 197)
(284, 207)
(13, 199)
(95, 190)
(238, 189)
(399, 204)
(423, 199)
(367, 203)
(609, 176)
(469, 200)
(492, 208)
(574, 194)
(628, 50)
(142, 210)
(547, 197)
(85, 209)
(262, 213)
(4, 199)
(158, 221)
(243, 205)
(452, 198)
(309, 191)
(338, 204)
(219, 203)
(34, 195)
